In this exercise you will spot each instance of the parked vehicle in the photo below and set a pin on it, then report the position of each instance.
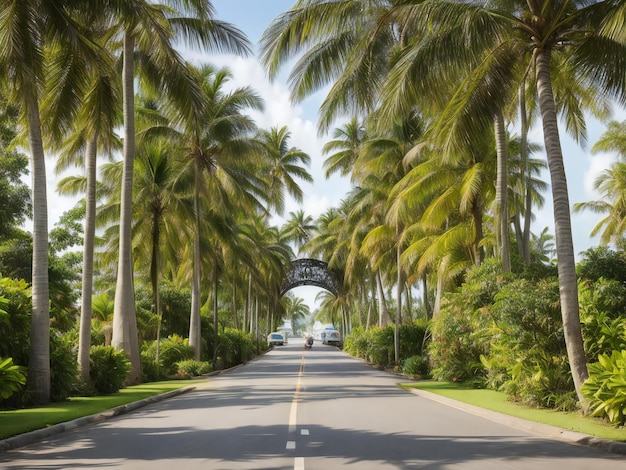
(275, 339)
(331, 336)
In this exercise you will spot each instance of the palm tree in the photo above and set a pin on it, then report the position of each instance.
(298, 229)
(29, 27)
(344, 150)
(612, 186)
(280, 164)
(149, 33)
(334, 43)
(218, 148)
(551, 33)
(92, 130)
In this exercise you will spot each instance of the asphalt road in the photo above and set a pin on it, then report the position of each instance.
(304, 409)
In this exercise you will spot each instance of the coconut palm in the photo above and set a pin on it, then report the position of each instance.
(298, 228)
(31, 30)
(281, 164)
(149, 34)
(343, 151)
(551, 34)
(218, 149)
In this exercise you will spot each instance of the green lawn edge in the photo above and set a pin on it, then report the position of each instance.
(498, 401)
(15, 422)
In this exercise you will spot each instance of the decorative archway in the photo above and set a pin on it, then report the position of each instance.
(310, 272)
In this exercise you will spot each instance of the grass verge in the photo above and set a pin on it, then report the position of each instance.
(497, 401)
(16, 422)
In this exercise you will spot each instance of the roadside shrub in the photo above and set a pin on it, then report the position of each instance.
(108, 369)
(461, 333)
(173, 350)
(63, 368)
(376, 345)
(528, 342)
(235, 347)
(602, 304)
(416, 367)
(381, 351)
(190, 368)
(605, 389)
(151, 369)
(356, 343)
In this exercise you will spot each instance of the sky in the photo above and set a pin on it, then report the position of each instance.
(252, 17)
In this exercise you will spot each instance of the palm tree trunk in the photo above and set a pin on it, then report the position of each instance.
(124, 317)
(563, 229)
(39, 360)
(383, 313)
(526, 175)
(502, 211)
(400, 284)
(154, 275)
(194, 316)
(235, 317)
(429, 312)
(84, 340)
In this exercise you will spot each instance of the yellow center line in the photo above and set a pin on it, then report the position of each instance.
(293, 414)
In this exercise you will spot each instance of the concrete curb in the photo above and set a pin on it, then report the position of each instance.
(31, 437)
(28, 438)
(532, 427)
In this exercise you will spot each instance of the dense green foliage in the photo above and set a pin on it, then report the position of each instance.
(376, 345)
(12, 378)
(189, 369)
(235, 347)
(606, 388)
(108, 369)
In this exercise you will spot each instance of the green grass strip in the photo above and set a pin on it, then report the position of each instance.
(498, 401)
(14, 422)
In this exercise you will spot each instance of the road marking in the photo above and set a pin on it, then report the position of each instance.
(298, 463)
(291, 445)
(304, 432)
(293, 413)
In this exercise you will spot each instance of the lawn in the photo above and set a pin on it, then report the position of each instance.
(16, 422)
(497, 401)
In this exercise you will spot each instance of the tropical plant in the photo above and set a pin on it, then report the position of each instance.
(12, 378)
(109, 369)
(605, 389)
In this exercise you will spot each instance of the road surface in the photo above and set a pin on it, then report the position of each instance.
(303, 409)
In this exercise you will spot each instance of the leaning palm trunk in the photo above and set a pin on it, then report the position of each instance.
(39, 360)
(563, 229)
(501, 193)
(84, 340)
(124, 315)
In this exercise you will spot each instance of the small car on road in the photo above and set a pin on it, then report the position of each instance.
(275, 339)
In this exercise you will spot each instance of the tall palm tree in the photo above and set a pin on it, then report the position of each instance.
(218, 148)
(93, 130)
(149, 35)
(551, 33)
(30, 29)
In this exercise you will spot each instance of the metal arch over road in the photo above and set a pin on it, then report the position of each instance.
(310, 272)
